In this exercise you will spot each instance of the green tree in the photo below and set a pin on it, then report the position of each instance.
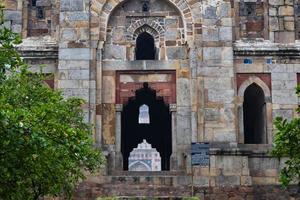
(287, 145)
(46, 148)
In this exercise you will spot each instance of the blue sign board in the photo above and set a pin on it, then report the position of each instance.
(200, 154)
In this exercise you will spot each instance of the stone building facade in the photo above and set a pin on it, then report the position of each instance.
(214, 71)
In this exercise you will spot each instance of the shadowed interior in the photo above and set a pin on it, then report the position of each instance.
(157, 133)
(145, 48)
(254, 115)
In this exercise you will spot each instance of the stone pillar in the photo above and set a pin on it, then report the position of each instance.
(98, 95)
(75, 54)
(173, 159)
(217, 70)
(241, 137)
(118, 154)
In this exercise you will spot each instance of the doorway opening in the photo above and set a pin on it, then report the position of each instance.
(145, 48)
(156, 129)
(254, 115)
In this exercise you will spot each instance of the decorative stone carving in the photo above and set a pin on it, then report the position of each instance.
(144, 158)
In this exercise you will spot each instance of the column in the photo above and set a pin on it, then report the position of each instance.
(118, 153)
(173, 159)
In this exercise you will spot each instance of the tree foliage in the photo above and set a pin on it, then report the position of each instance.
(45, 145)
(287, 144)
(9, 58)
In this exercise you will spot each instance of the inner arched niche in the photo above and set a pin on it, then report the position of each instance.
(254, 115)
(145, 47)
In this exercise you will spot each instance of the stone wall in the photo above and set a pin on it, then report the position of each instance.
(42, 17)
(169, 188)
(214, 48)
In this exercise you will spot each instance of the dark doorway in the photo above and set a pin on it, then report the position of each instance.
(254, 115)
(157, 132)
(145, 48)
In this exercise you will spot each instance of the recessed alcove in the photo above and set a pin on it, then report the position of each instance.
(145, 48)
(158, 132)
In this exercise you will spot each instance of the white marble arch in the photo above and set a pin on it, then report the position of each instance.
(268, 108)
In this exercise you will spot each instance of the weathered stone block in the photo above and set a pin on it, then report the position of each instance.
(75, 54)
(175, 53)
(71, 5)
(68, 34)
(276, 2)
(171, 34)
(76, 92)
(289, 25)
(201, 181)
(272, 11)
(119, 34)
(115, 52)
(284, 113)
(108, 126)
(13, 15)
(210, 12)
(228, 180)
(274, 23)
(210, 34)
(108, 94)
(285, 37)
(224, 96)
(225, 10)
(286, 10)
(212, 114)
(212, 53)
(225, 33)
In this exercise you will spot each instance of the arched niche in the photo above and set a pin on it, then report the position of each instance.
(163, 21)
(145, 47)
(254, 103)
(254, 115)
(104, 12)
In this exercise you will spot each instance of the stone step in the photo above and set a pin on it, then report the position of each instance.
(149, 174)
(170, 180)
(162, 191)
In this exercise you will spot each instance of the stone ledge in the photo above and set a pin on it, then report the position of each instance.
(38, 48)
(266, 48)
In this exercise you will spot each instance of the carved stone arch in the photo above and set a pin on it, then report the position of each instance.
(137, 164)
(148, 29)
(146, 25)
(103, 10)
(154, 24)
(259, 82)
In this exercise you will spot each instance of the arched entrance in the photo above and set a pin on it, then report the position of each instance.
(157, 132)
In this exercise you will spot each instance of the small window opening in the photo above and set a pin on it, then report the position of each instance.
(254, 115)
(33, 3)
(144, 117)
(40, 13)
(145, 6)
(145, 48)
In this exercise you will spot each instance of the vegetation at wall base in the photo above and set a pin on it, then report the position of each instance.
(287, 145)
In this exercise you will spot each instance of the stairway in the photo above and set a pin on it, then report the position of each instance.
(128, 185)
